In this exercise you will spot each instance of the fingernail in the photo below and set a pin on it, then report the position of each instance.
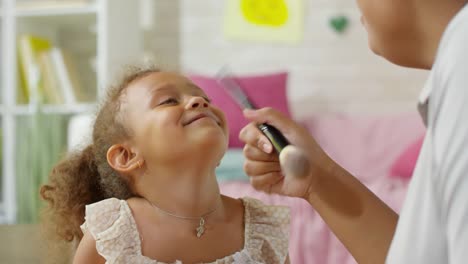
(266, 147)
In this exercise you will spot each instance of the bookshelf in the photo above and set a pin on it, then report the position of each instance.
(99, 35)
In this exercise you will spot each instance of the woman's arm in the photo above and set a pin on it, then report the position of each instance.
(363, 223)
(86, 251)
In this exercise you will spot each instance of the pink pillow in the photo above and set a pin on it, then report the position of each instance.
(365, 144)
(263, 90)
(405, 163)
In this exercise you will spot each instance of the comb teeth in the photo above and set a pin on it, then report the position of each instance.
(227, 81)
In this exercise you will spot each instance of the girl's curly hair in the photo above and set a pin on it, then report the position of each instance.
(84, 177)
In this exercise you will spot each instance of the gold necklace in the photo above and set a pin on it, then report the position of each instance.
(200, 230)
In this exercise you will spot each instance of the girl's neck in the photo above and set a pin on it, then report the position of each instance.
(181, 190)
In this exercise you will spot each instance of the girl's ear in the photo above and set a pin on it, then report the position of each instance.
(122, 159)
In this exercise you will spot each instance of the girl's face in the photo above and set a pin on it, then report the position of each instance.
(171, 117)
(391, 27)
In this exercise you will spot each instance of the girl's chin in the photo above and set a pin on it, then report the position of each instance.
(211, 141)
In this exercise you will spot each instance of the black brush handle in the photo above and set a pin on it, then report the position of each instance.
(277, 139)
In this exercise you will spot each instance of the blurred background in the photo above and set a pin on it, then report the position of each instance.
(58, 56)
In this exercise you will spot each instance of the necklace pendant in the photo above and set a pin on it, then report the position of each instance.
(201, 228)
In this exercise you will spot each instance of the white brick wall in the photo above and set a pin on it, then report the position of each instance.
(328, 72)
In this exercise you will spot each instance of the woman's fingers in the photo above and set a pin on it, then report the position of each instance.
(266, 182)
(254, 168)
(272, 117)
(254, 153)
(251, 135)
(295, 171)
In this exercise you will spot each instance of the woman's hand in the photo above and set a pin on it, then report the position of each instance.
(302, 164)
(358, 218)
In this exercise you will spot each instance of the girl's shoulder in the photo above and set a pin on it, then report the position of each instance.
(102, 215)
(106, 204)
(266, 230)
(257, 211)
(111, 224)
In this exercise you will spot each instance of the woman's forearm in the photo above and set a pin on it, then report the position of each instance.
(362, 222)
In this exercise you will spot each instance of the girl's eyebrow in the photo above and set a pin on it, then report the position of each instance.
(165, 88)
(171, 88)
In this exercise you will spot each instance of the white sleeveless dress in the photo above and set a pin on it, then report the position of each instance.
(112, 225)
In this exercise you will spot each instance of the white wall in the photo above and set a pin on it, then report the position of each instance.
(328, 72)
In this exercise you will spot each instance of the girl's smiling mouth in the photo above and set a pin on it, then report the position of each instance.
(200, 116)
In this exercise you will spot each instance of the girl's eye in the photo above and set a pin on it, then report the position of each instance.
(169, 101)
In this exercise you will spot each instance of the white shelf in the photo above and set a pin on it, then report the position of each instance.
(49, 109)
(42, 12)
(54, 8)
(54, 109)
(114, 41)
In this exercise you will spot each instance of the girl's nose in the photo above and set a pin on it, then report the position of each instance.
(196, 102)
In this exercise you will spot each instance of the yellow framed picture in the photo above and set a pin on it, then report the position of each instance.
(265, 20)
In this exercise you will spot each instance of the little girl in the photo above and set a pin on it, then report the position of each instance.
(145, 189)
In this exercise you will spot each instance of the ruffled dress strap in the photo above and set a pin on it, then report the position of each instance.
(111, 224)
(266, 231)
